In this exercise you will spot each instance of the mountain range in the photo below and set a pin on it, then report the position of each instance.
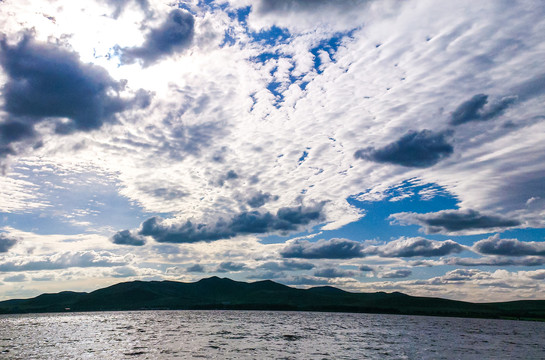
(224, 293)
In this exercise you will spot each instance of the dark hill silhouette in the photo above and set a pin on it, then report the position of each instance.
(223, 293)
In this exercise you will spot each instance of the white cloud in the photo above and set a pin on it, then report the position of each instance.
(211, 113)
(469, 285)
(17, 195)
(62, 261)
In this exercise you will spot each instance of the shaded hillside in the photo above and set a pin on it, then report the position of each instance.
(216, 293)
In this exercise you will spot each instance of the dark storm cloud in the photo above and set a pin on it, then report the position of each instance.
(474, 109)
(174, 35)
(229, 266)
(450, 221)
(125, 237)
(334, 273)
(509, 247)
(5, 150)
(414, 149)
(411, 247)
(323, 249)
(396, 274)
(197, 268)
(286, 219)
(13, 131)
(46, 81)
(6, 242)
(497, 261)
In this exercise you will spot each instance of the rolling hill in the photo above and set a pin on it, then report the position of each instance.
(224, 293)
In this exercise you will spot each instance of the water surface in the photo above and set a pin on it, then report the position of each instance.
(264, 335)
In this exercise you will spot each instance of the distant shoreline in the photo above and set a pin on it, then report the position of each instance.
(225, 294)
(211, 309)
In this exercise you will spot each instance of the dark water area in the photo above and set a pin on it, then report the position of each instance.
(264, 335)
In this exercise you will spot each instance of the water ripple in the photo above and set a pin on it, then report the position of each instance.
(264, 335)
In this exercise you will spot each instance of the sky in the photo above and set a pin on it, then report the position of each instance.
(368, 145)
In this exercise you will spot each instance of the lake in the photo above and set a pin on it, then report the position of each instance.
(264, 335)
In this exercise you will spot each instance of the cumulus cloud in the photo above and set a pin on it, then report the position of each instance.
(6, 242)
(124, 271)
(120, 5)
(173, 36)
(126, 237)
(464, 275)
(13, 131)
(331, 272)
(64, 260)
(474, 109)
(229, 266)
(47, 81)
(537, 275)
(395, 274)
(307, 15)
(472, 285)
(366, 268)
(303, 280)
(496, 261)
(418, 246)
(259, 199)
(228, 176)
(278, 269)
(338, 92)
(419, 149)
(285, 220)
(323, 249)
(491, 281)
(196, 268)
(347, 249)
(283, 6)
(455, 221)
(509, 247)
(286, 265)
(15, 278)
